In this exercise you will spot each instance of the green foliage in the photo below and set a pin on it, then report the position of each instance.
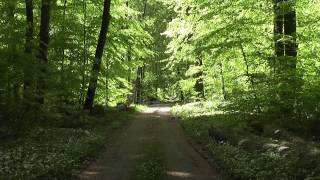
(241, 163)
(162, 50)
(50, 153)
(235, 41)
(140, 108)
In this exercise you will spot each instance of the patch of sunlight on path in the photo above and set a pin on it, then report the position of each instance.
(160, 109)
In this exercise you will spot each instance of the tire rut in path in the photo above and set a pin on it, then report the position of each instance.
(120, 158)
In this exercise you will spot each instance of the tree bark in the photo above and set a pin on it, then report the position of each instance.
(278, 29)
(98, 56)
(29, 32)
(285, 28)
(28, 45)
(43, 48)
(290, 30)
(290, 64)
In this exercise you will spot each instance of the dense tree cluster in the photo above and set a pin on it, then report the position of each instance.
(67, 52)
(257, 56)
(252, 56)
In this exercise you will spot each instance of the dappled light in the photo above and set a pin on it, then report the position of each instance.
(157, 110)
(159, 89)
(179, 174)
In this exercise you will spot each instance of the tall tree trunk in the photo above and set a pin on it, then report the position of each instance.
(43, 49)
(28, 46)
(223, 87)
(84, 51)
(278, 29)
(290, 64)
(29, 31)
(285, 27)
(98, 56)
(290, 30)
(130, 98)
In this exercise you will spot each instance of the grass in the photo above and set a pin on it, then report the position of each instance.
(255, 163)
(139, 107)
(57, 152)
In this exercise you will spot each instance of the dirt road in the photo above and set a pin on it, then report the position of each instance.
(120, 159)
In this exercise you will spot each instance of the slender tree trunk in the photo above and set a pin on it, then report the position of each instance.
(83, 86)
(290, 64)
(278, 29)
(285, 27)
(63, 31)
(245, 58)
(43, 48)
(130, 98)
(223, 87)
(28, 47)
(138, 89)
(29, 31)
(98, 56)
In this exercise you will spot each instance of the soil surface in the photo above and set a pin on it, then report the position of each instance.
(125, 149)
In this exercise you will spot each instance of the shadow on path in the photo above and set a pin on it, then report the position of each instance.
(121, 156)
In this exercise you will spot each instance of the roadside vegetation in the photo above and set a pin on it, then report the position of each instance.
(256, 63)
(246, 147)
(58, 151)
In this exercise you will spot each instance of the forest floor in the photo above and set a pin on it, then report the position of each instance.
(153, 146)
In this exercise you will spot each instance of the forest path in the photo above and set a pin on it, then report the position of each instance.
(155, 124)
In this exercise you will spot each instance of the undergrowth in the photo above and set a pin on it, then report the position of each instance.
(51, 152)
(239, 163)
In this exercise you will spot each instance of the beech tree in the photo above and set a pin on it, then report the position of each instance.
(285, 28)
(43, 49)
(98, 56)
(28, 44)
